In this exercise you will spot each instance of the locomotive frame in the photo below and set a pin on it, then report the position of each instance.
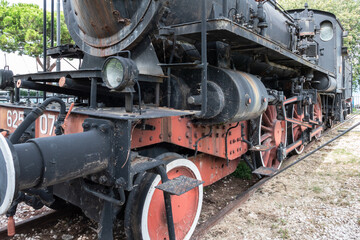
(245, 81)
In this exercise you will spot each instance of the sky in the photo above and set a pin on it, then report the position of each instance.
(24, 64)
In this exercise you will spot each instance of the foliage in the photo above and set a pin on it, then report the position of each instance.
(348, 13)
(243, 171)
(21, 29)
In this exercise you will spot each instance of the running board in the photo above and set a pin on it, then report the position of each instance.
(179, 185)
(264, 171)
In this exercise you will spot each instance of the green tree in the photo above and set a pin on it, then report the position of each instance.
(348, 13)
(21, 29)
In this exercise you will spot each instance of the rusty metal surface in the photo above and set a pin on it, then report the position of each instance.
(104, 28)
(261, 148)
(179, 185)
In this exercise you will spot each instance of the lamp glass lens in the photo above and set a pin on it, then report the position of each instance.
(114, 73)
(326, 31)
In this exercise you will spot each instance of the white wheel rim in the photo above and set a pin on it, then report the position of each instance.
(10, 171)
(173, 164)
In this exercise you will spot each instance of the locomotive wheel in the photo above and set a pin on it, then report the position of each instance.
(272, 133)
(318, 114)
(148, 218)
(297, 129)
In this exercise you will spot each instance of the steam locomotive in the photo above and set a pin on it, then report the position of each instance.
(169, 98)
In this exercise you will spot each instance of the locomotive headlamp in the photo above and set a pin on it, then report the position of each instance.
(119, 73)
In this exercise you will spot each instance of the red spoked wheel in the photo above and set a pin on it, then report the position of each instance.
(297, 129)
(318, 114)
(272, 133)
(149, 215)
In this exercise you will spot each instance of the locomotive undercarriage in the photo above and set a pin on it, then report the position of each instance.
(245, 98)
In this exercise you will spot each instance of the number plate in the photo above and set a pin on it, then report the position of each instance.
(11, 118)
(45, 124)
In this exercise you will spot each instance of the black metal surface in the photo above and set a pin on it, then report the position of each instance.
(224, 29)
(51, 88)
(93, 93)
(49, 161)
(65, 51)
(179, 185)
(204, 61)
(120, 113)
(6, 81)
(167, 199)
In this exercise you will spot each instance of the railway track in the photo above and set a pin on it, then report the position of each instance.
(50, 218)
(244, 196)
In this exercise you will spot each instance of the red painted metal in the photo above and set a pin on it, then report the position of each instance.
(10, 118)
(213, 168)
(44, 125)
(272, 134)
(184, 209)
(297, 129)
(183, 132)
(180, 131)
(318, 114)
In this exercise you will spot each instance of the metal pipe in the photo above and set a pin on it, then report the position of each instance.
(58, 34)
(225, 8)
(44, 36)
(52, 23)
(69, 83)
(204, 60)
(44, 43)
(49, 88)
(48, 161)
(93, 93)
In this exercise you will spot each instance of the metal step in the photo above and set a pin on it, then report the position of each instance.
(179, 185)
(265, 171)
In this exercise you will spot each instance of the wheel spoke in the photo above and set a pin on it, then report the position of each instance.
(266, 129)
(266, 119)
(265, 136)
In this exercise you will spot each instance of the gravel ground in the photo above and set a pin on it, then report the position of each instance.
(319, 198)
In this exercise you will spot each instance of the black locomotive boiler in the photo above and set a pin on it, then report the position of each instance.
(169, 98)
